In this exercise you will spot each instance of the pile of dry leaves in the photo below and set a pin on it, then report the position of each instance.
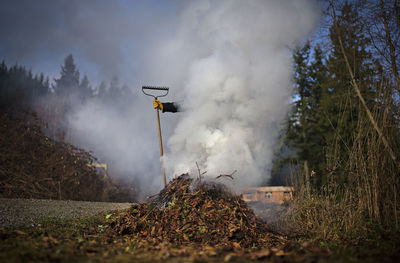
(189, 210)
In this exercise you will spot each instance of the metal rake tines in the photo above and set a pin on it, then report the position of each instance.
(155, 88)
(163, 90)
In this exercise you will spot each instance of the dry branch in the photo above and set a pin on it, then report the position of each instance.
(227, 175)
(357, 89)
(199, 173)
(36, 166)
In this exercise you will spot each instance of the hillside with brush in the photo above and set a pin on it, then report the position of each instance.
(33, 165)
(36, 160)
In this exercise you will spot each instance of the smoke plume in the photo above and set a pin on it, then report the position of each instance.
(237, 84)
(227, 62)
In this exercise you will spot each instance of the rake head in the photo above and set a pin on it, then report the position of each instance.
(162, 90)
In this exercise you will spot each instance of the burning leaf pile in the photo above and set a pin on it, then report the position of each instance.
(188, 210)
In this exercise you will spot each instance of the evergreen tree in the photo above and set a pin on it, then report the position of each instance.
(85, 89)
(102, 90)
(316, 144)
(3, 69)
(326, 109)
(304, 130)
(339, 102)
(114, 88)
(19, 89)
(68, 83)
(298, 122)
(114, 91)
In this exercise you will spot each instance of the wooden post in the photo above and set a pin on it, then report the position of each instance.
(161, 148)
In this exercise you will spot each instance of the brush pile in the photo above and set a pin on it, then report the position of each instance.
(33, 165)
(188, 210)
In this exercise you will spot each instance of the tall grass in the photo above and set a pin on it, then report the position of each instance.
(359, 198)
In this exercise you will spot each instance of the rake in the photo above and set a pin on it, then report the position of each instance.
(163, 91)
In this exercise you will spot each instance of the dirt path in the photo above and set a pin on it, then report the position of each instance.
(29, 212)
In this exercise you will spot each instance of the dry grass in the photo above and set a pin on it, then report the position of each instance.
(359, 199)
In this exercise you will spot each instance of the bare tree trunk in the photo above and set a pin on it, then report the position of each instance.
(389, 43)
(357, 90)
(397, 10)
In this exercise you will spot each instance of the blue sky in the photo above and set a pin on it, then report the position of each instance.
(106, 38)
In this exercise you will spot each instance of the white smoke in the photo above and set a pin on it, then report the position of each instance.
(228, 61)
(238, 84)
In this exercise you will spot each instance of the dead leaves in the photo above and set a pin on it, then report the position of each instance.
(188, 211)
(158, 238)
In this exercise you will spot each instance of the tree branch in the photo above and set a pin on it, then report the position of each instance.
(227, 175)
(357, 90)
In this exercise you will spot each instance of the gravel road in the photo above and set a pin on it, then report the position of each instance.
(28, 212)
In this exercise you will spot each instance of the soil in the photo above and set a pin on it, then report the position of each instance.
(166, 229)
(30, 212)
